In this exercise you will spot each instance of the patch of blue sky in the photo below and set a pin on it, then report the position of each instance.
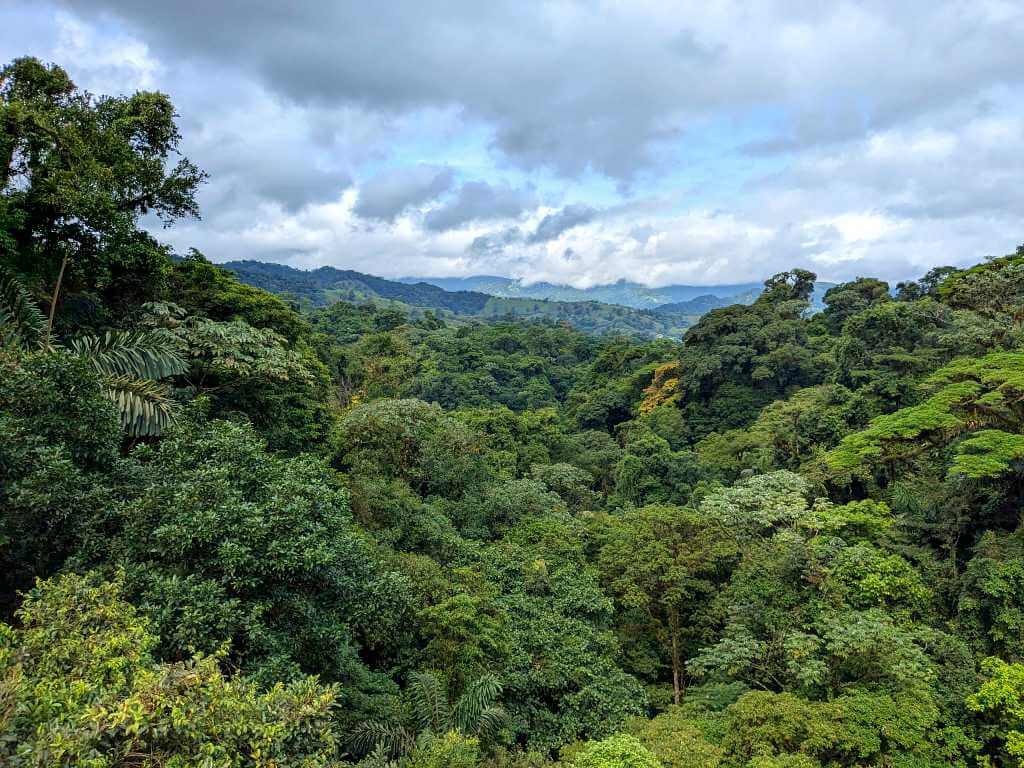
(708, 165)
(26, 31)
(711, 165)
(440, 137)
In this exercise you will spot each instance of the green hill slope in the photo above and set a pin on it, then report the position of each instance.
(326, 285)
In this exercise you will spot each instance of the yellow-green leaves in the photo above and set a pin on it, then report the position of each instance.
(1003, 694)
(620, 751)
(980, 395)
(78, 687)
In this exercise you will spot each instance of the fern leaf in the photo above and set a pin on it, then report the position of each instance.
(479, 697)
(146, 406)
(21, 321)
(137, 354)
(377, 737)
(490, 723)
(429, 700)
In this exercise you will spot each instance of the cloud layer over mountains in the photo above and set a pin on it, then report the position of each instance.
(577, 142)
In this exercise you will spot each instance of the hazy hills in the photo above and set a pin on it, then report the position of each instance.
(323, 286)
(620, 307)
(622, 292)
(669, 299)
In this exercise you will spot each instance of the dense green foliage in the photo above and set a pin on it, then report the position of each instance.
(376, 535)
(80, 686)
(671, 299)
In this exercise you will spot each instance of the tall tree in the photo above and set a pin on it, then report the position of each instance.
(664, 562)
(76, 173)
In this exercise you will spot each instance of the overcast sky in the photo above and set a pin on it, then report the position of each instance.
(579, 142)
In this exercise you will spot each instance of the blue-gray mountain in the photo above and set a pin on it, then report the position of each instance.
(326, 285)
(621, 307)
(621, 292)
(682, 299)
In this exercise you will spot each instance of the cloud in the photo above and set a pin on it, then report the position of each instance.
(494, 244)
(891, 205)
(479, 201)
(255, 153)
(282, 175)
(389, 194)
(554, 224)
(853, 137)
(592, 85)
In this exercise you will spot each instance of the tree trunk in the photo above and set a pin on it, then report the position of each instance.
(53, 301)
(677, 688)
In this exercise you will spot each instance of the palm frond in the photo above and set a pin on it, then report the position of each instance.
(138, 354)
(479, 697)
(381, 738)
(145, 405)
(429, 698)
(21, 321)
(490, 723)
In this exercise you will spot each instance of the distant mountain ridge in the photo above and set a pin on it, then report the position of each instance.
(623, 292)
(326, 285)
(667, 311)
(669, 299)
(315, 285)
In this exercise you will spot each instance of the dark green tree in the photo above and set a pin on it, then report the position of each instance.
(76, 173)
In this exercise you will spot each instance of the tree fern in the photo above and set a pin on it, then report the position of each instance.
(129, 361)
(21, 321)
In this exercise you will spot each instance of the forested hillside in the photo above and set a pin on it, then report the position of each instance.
(326, 285)
(684, 300)
(622, 292)
(234, 534)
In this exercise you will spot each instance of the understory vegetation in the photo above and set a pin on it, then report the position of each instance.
(234, 534)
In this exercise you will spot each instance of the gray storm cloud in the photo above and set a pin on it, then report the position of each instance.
(389, 194)
(577, 86)
(479, 201)
(696, 143)
(554, 224)
(493, 245)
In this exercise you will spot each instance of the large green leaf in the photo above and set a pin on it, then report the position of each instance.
(145, 405)
(21, 321)
(381, 739)
(136, 354)
(476, 708)
(430, 702)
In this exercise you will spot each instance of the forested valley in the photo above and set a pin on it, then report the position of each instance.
(237, 534)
